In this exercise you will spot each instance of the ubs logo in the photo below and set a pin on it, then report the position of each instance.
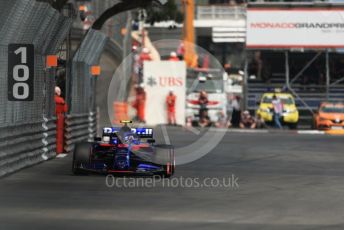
(165, 81)
(151, 81)
(170, 81)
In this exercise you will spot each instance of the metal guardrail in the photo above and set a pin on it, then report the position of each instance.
(220, 12)
(92, 125)
(79, 128)
(26, 144)
(49, 138)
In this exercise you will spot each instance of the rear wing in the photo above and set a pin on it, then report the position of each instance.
(141, 132)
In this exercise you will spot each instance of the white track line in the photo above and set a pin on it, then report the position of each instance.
(248, 131)
(165, 134)
(61, 155)
(193, 130)
(315, 132)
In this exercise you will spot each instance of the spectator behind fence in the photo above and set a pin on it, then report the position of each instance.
(247, 121)
(260, 123)
(204, 120)
(222, 121)
(229, 108)
(203, 102)
(173, 57)
(181, 51)
(236, 115)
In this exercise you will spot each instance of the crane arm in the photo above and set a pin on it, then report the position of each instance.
(190, 55)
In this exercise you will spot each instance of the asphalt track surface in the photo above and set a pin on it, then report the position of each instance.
(286, 181)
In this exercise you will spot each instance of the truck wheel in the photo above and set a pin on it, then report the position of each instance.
(81, 155)
(293, 126)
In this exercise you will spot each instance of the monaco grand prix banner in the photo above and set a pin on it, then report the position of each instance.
(159, 78)
(295, 28)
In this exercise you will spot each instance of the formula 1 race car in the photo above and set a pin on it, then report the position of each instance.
(124, 150)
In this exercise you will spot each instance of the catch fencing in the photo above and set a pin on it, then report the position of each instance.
(27, 129)
(80, 125)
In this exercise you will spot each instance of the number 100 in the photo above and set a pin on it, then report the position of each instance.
(20, 69)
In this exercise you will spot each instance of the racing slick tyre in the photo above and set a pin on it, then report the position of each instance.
(81, 156)
(165, 157)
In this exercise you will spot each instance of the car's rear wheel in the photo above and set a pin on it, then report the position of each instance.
(165, 157)
(81, 156)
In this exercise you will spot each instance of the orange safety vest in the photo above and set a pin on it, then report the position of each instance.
(171, 102)
(60, 109)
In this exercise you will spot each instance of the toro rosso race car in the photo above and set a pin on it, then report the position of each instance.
(124, 150)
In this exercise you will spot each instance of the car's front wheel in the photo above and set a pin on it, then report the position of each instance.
(81, 156)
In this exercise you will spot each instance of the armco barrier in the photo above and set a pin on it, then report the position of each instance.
(79, 128)
(49, 138)
(92, 125)
(26, 144)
